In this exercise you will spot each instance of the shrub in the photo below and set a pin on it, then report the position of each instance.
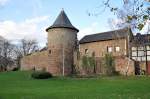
(15, 69)
(84, 61)
(41, 75)
(88, 63)
(116, 73)
(109, 63)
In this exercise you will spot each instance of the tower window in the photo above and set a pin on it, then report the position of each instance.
(49, 51)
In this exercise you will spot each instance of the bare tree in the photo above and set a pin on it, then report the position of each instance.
(25, 47)
(6, 54)
(10, 53)
(8, 49)
(28, 46)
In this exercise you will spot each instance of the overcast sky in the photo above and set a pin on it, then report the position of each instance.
(29, 18)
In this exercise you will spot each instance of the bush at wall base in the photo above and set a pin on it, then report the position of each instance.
(41, 75)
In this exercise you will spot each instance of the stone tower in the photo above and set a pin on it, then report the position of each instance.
(62, 39)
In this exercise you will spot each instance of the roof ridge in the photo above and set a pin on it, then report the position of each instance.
(106, 32)
(109, 35)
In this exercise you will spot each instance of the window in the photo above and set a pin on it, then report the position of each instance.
(134, 53)
(148, 52)
(148, 47)
(143, 58)
(134, 48)
(139, 58)
(140, 48)
(49, 51)
(140, 53)
(117, 49)
(86, 51)
(134, 58)
(148, 58)
(109, 49)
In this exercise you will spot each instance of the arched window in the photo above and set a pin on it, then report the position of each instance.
(86, 51)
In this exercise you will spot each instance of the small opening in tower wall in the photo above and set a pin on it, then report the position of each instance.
(49, 51)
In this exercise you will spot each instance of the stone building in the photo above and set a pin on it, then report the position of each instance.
(58, 57)
(114, 42)
(61, 54)
(131, 52)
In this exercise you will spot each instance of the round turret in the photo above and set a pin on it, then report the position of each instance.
(62, 39)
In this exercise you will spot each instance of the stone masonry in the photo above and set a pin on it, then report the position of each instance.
(58, 58)
(37, 60)
(100, 47)
(61, 53)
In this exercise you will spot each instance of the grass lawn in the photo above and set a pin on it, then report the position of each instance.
(19, 85)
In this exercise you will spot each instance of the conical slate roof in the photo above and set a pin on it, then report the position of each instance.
(62, 21)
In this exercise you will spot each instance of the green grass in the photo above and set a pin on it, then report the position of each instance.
(19, 85)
